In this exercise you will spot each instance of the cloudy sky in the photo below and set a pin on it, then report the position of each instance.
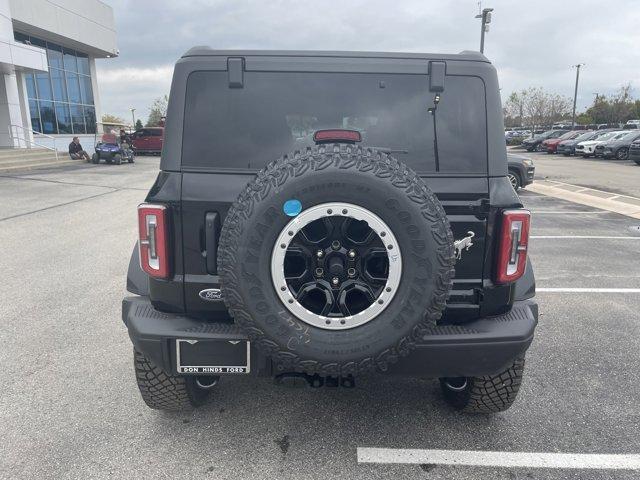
(532, 43)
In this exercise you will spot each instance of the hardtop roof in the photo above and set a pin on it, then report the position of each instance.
(466, 55)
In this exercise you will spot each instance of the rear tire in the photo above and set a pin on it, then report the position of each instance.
(117, 159)
(162, 391)
(486, 394)
(95, 158)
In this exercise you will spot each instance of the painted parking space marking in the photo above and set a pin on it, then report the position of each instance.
(500, 459)
(588, 290)
(585, 237)
(566, 212)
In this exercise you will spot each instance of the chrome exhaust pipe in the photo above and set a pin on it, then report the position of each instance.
(206, 383)
(456, 384)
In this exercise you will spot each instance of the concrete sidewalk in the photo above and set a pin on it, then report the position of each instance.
(613, 202)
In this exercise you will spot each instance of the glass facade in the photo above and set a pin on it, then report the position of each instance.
(60, 100)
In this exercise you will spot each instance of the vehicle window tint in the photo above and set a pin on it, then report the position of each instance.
(276, 113)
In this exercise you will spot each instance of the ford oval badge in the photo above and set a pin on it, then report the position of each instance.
(211, 294)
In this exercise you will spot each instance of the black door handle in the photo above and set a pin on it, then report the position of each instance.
(211, 232)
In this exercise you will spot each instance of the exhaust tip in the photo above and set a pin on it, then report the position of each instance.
(206, 383)
(457, 384)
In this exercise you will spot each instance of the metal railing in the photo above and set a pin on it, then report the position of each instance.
(14, 133)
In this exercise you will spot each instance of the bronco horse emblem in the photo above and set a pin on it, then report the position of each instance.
(463, 244)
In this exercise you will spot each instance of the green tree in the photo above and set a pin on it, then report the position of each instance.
(584, 119)
(139, 124)
(157, 110)
(618, 108)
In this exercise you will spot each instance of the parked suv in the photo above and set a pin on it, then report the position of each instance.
(618, 147)
(568, 147)
(535, 143)
(588, 147)
(550, 145)
(634, 152)
(520, 171)
(323, 215)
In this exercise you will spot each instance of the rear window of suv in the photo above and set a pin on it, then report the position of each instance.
(276, 113)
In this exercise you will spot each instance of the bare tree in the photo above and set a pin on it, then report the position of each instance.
(622, 105)
(536, 107)
(157, 110)
(514, 107)
(558, 107)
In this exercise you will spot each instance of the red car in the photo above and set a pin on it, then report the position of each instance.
(148, 140)
(551, 144)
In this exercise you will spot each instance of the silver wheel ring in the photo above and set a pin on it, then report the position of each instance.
(327, 210)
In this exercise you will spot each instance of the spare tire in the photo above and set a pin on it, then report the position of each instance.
(335, 260)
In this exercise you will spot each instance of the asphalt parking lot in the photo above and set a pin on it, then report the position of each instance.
(618, 176)
(69, 406)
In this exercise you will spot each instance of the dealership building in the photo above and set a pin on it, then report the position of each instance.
(49, 87)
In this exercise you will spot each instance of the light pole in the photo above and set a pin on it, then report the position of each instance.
(485, 15)
(133, 118)
(575, 94)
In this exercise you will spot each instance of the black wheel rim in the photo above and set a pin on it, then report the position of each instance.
(336, 266)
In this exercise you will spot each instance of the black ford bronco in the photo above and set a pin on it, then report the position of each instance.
(324, 215)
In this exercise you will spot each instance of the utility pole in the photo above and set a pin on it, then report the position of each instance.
(575, 94)
(485, 15)
(133, 118)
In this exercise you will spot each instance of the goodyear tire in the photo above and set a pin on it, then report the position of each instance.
(359, 179)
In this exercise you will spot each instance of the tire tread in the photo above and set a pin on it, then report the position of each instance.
(366, 161)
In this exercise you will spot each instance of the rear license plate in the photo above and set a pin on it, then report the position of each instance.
(212, 357)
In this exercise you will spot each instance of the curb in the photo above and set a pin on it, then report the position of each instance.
(36, 166)
(612, 202)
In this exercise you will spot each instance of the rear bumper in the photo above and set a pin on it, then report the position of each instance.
(482, 347)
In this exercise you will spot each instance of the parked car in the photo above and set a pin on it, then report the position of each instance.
(588, 148)
(634, 151)
(337, 260)
(521, 171)
(148, 140)
(618, 146)
(551, 144)
(535, 143)
(568, 147)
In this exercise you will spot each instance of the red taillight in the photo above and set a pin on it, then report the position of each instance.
(153, 239)
(337, 135)
(513, 245)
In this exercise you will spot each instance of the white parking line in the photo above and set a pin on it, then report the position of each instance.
(589, 237)
(500, 459)
(589, 290)
(570, 212)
